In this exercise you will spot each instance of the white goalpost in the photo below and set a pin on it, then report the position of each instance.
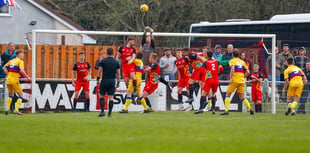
(189, 35)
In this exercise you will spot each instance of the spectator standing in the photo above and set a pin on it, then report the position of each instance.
(285, 55)
(167, 64)
(224, 61)
(301, 59)
(279, 66)
(217, 52)
(9, 54)
(279, 69)
(247, 62)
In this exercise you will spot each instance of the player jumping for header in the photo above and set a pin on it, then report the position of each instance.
(128, 53)
(139, 71)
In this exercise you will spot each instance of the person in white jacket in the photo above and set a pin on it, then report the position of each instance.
(167, 65)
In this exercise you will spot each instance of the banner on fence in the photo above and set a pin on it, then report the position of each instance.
(58, 96)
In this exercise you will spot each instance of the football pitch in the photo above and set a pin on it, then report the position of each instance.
(158, 132)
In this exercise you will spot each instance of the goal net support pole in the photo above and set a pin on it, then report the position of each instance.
(107, 33)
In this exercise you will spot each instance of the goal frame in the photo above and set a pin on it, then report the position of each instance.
(271, 36)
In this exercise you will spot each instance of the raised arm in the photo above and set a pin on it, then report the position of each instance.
(152, 40)
(268, 66)
(118, 56)
(143, 41)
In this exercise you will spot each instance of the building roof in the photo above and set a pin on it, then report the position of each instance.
(57, 16)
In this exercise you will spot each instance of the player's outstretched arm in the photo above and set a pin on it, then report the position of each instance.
(221, 70)
(22, 71)
(143, 41)
(147, 68)
(133, 57)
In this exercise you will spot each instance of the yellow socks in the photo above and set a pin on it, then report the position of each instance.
(209, 101)
(18, 103)
(8, 104)
(247, 104)
(227, 103)
(143, 102)
(289, 104)
(293, 105)
(127, 103)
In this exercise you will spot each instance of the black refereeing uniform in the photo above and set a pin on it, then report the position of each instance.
(109, 66)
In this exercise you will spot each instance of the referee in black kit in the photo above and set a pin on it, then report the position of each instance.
(108, 68)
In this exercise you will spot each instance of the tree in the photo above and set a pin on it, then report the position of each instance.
(169, 16)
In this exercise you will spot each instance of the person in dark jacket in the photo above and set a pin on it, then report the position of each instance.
(224, 60)
(9, 54)
(301, 59)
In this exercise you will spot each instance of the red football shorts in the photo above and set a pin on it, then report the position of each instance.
(150, 88)
(127, 69)
(211, 84)
(256, 95)
(183, 82)
(79, 85)
(199, 74)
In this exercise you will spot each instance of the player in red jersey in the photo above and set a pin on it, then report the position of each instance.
(198, 74)
(213, 70)
(211, 97)
(182, 63)
(257, 79)
(81, 72)
(128, 53)
(152, 80)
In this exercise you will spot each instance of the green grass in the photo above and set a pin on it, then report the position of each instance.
(170, 132)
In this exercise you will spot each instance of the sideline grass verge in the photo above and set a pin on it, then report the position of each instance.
(171, 132)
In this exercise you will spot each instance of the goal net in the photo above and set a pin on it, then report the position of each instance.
(51, 62)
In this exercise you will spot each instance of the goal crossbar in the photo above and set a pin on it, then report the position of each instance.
(271, 36)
